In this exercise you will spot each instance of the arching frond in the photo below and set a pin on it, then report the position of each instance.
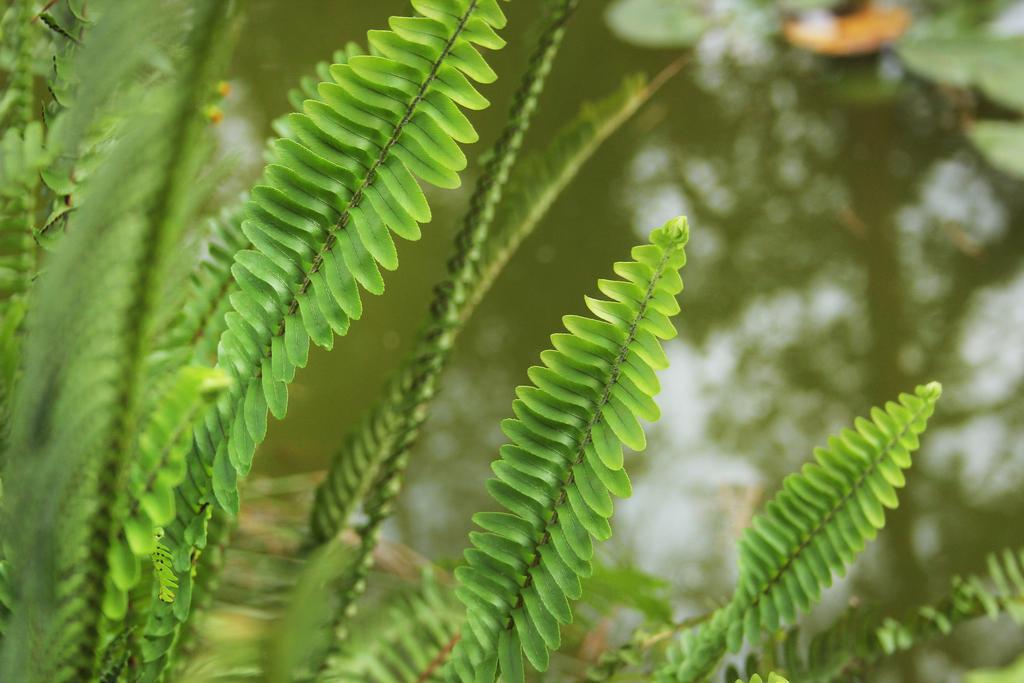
(815, 526)
(194, 335)
(565, 461)
(321, 220)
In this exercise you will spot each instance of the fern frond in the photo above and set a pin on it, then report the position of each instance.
(195, 334)
(321, 222)
(772, 678)
(860, 638)
(532, 187)
(392, 426)
(565, 459)
(211, 286)
(815, 526)
(407, 639)
(158, 469)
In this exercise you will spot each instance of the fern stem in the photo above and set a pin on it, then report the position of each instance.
(439, 660)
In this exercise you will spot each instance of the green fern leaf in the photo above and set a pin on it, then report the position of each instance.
(211, 285)
(375, 467)
(158, 469)
(815, 526)
(861, 638)
(823, 516)
(556, 477)
(772, 678)
(321, 222)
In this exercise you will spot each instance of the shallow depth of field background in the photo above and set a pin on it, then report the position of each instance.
(847, 243)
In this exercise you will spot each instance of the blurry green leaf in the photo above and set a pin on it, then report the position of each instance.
(993, 65)
(1002, 144)
(657, 23)
(1011, 674)
(624, 586)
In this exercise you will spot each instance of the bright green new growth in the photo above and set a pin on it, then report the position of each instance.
(555, 478)
(816, 525)
(772, 678)
(158, 468)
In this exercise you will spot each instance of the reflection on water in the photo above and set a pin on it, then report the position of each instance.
(847, 244)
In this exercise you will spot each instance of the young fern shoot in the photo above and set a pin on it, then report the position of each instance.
(565, 459)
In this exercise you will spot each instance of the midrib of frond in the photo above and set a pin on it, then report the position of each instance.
(613, 378)
(371, 173)
(840, 504)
